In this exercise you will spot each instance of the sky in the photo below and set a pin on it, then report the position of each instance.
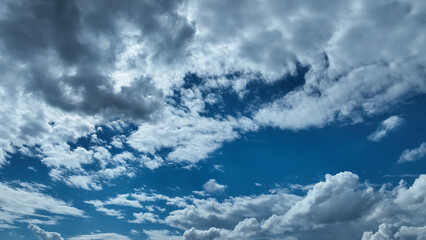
(197, 119)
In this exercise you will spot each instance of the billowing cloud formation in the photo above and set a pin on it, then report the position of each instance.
(43, 235)
(69, 52)
(339, 208)
(415, 154)
(80, 64)
(384, 127)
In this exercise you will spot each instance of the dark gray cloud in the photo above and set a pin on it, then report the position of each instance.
(69, 49)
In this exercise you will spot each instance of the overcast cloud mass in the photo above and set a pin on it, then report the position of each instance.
(196, 119)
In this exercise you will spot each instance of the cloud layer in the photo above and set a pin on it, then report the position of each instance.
(340, 207)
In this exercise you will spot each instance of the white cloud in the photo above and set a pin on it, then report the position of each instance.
(143, 217)
(212, 186)
(219, 168)
(190, 136)
(43, 235)
(385, 127)
(395, 232)
(340, 207)
(100, 236)
(205, 213)
(121, 200)
(84, 182)
(99, 206)
(415, 154)
(31, 202)
(363, 58)
(161, 234)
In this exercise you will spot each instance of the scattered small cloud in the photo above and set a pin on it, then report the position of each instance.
(410, 155)
(212, 186)
(385, 127)
(219, 168)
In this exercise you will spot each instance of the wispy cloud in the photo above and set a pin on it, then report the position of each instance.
(385, 127)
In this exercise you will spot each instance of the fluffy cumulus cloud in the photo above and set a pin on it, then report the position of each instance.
(340, 208)
(82, 64)
(157, 76)
(361, 72)
(385, 127)
(415, 154)
(391, 232)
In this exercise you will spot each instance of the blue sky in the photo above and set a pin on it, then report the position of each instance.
(212, 120)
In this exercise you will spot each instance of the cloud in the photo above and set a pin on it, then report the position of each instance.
(70, 59)
(161, 234)
(346, 80)
(100, 236)
(43, 235)
(190, 137)
(385, 127)
(32, 203)
(143, 217)
(206, 213)
(97, 63)
(212, 186)
(339, 207)
(391, 232)
(415, 154)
